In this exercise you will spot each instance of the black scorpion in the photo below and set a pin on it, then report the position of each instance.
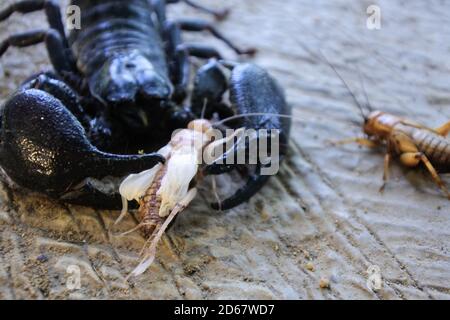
(119, 85)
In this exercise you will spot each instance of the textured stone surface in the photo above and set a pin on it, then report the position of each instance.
(321, 217)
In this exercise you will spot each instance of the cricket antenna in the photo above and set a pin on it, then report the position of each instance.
(361, 79)
(346, 85)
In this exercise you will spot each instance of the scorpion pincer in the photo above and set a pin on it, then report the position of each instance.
(117, 92)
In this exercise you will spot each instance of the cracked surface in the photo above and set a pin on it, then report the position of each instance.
(321, 217)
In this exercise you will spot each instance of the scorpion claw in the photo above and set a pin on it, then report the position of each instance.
(49, 150)
(253, 91)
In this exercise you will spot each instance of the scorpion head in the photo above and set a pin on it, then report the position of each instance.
(131, 86)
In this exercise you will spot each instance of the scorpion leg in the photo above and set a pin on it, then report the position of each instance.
(58, 53)
(201, 25)
(254, 91)
(52, 11)
(210, 85)
(179, 54)
(180, 66)
(199, 51)
(218, 14)
(49, 152)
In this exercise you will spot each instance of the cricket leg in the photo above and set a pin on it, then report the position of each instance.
(444, 130)
(414, 158)
(387, 162)
(361, 141)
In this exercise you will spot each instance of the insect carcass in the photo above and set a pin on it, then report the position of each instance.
(165, 190)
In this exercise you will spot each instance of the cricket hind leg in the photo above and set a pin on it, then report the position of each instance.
(444, 130)
(413, 159)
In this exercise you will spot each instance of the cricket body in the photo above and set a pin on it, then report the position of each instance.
(412, 143)
(160, 189)
(165, 190)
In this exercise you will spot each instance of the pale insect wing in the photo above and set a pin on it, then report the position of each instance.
(181, 169)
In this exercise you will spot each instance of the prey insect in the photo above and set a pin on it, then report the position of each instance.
(412, 143)
(167, 189)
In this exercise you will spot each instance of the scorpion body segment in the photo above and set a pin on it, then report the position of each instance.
(121, 51)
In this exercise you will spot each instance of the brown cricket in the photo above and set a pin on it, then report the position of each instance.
(412, 143)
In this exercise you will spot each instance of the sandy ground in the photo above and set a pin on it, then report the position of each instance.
(321, 217)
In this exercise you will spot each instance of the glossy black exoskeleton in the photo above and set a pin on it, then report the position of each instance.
(118, 87)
